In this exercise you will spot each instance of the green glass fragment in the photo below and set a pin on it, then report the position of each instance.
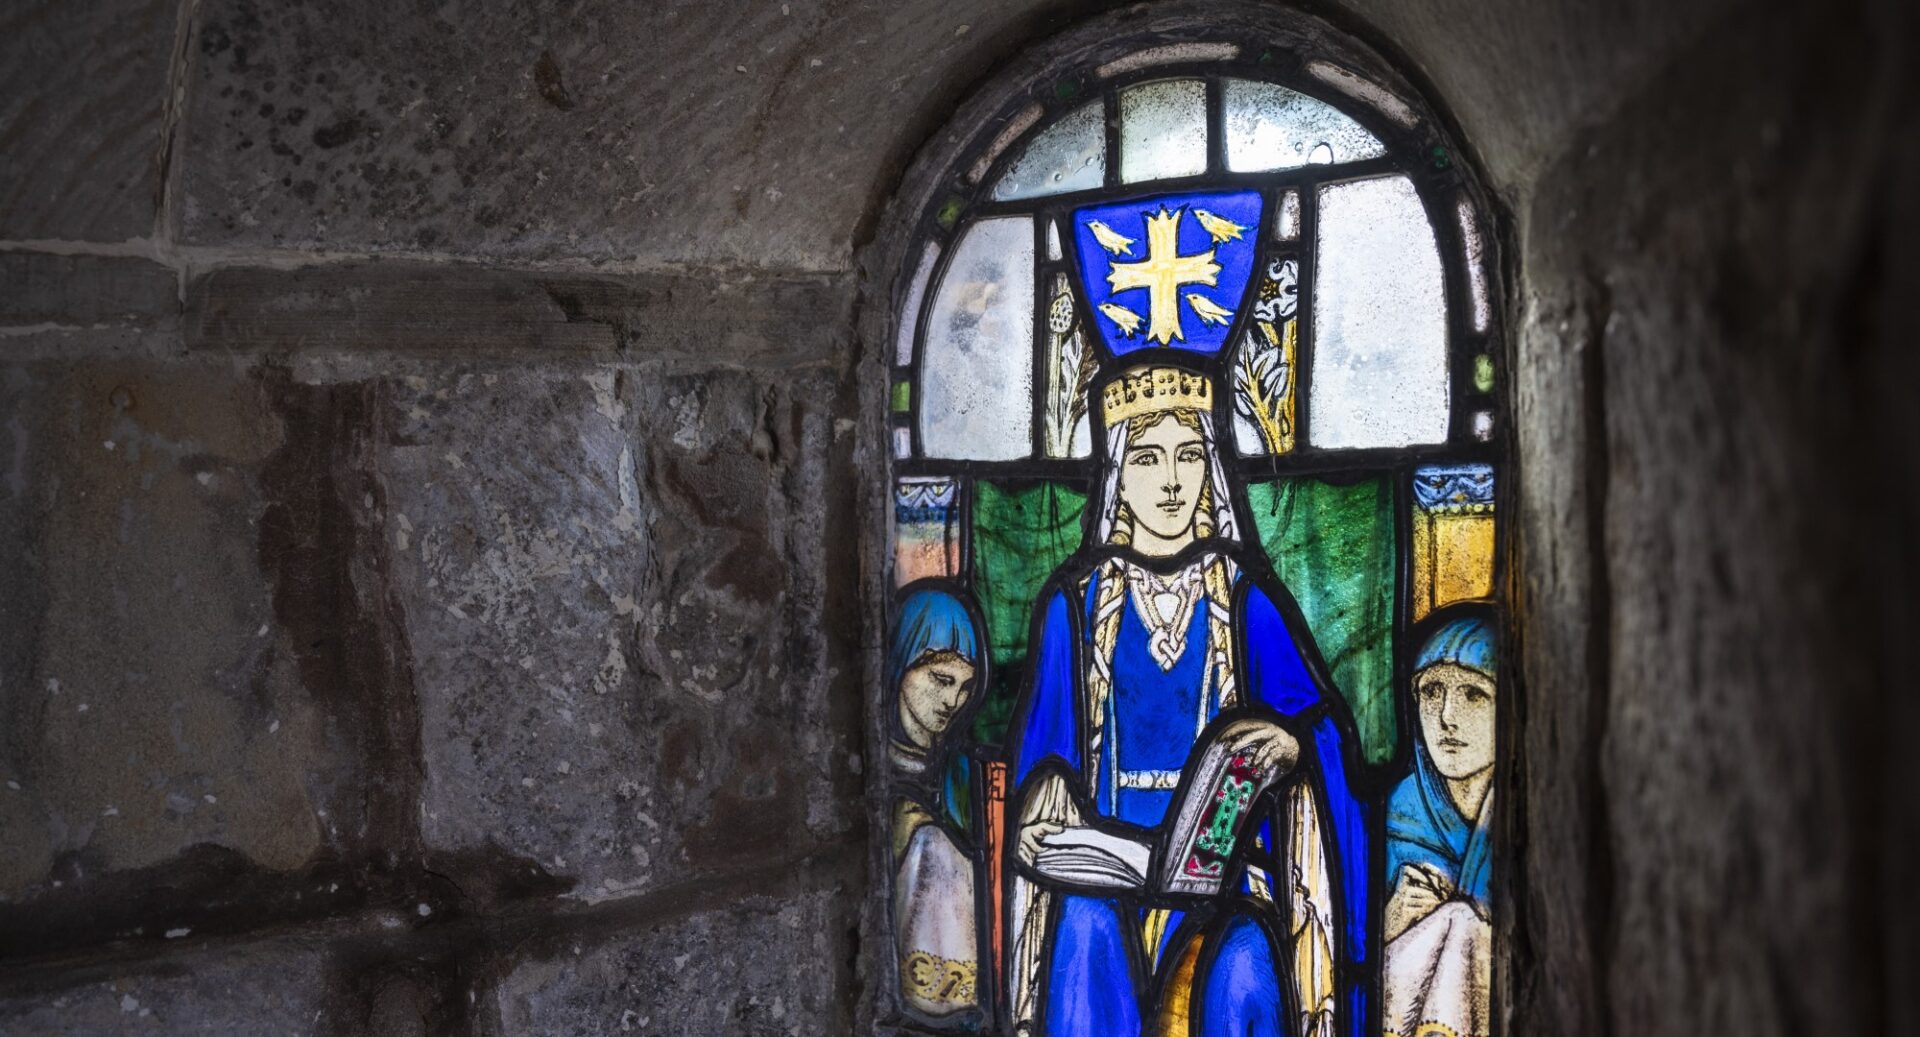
(1020, 536)
(1441, 160)
(950, 210)
(1483, 373)
(1333, 547)
(902, 396)
(1066, 89)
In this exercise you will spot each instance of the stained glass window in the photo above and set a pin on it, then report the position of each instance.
(1192, 681)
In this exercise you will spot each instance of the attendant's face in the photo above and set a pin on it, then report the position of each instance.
(1160, 477)
(1456, 718)
(931, 692)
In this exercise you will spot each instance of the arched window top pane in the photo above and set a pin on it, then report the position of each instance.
(1380, 358)
(1070, 155)
(1163, 130)
(977, 377)
(1271, 127)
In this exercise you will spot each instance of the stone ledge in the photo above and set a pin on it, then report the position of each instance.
(473, 311)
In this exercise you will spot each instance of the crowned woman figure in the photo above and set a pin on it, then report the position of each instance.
(1143, 640)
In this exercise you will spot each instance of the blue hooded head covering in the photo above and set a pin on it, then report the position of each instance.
(930, 621)
(1423, 824)
(1465, 642)
(935, 621)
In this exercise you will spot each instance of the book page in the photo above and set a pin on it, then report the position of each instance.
(1091, 857)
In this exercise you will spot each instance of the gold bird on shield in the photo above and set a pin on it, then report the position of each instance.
(1209, 311)
(1128, 320)
(1222, 229)
(1111, 240)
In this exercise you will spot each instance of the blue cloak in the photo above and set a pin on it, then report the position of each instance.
(1089, 990)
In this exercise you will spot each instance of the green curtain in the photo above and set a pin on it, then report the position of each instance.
(1020, 535)
(1333, 546)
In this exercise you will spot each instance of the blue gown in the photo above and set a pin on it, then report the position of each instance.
(1090, 986)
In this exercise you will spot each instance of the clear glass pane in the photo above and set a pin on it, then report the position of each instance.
(1379, 331)
(1272, 127)
(1053, 240)
(1163, 130)
(1070, 155)
(976, 382)
(910, 309)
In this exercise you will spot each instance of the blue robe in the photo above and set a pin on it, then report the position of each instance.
(1424, 827)
(1089, 986)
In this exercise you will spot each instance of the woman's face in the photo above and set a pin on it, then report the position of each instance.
(1456, 718)
(1161, 475)
(931, 692)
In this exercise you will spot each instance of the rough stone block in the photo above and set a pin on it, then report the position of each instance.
(276, 989)
(36, 288)
(760, 965)
(614, 619)
(190, 679)
(683, 132)
(82, 93)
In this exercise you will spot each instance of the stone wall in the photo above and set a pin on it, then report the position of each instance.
(438, 445)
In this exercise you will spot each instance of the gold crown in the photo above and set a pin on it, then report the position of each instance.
(1154, 390)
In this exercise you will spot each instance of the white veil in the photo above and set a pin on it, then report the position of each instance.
(1224, 525)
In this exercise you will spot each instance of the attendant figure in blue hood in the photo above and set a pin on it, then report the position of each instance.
(934, 669)
(1439, 856)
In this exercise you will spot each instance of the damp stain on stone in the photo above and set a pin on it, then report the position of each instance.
(548, 80)
(337, 133)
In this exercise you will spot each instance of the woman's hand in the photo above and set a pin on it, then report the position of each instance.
(1419, 891)
(1048, 809)
(1269, 743)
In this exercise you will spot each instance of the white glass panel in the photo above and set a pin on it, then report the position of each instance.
(1171, 54)
(910, 309)
(1053, 240)
(1272, 127)
(1363, 90)
(1070, 155)
(1287, 226)
(1379, 320)
(1476, 265)
(1163, 130)
(976, 372)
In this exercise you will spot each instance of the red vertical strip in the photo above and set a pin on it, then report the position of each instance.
(995, 842)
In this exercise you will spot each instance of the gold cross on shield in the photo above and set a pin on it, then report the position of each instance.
(1162, 274)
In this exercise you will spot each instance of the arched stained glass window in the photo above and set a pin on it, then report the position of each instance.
(1191, 686)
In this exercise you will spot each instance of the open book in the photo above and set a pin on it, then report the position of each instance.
(1207, 822)
(1091, 857)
